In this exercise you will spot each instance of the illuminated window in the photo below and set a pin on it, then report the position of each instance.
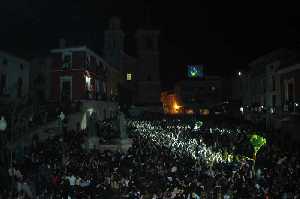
(88, 80)
(129, 77)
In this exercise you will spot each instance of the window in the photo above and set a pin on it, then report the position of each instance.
(67, 60)
(129, 77)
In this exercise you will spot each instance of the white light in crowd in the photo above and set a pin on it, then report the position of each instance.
(242, 109)
(296, 104)
(272, 110)
(3, 124)
(88, 81)
(83, 122)
(90, 110)
(169, 136)
(240, 73)
(62, 116)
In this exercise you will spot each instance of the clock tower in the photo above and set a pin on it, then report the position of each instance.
(114, 42)
(148, 66)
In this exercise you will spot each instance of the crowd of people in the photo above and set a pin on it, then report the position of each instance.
(169, 158)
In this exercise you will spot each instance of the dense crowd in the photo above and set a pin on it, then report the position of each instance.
(171, 158)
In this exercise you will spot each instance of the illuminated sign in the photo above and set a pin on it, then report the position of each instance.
(195, 71)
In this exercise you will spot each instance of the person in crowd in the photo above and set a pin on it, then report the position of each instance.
(168, 159)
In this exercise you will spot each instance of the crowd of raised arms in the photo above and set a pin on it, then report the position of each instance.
(168, 159)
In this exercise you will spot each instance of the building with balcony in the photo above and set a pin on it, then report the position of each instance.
(80, 73)
(262, 82)
(139, 73)
(171, 103)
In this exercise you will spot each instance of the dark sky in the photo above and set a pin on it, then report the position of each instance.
(222, 36)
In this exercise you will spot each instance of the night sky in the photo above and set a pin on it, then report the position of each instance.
(222, 36)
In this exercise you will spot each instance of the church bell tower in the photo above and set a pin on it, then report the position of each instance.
(114, 42)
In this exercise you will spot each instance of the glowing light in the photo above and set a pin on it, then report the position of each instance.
(129, 76)
(205, 112)
(176, 107)
(296, 104)
(83, 122)
(240, 73)
(242, 109)
(3, 124)
(87, 80)
(62, 116)
(195, 71)
(198, 125)
(190, 111)
(169, 135)
(90, 110)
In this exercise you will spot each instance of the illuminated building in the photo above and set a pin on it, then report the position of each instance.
(193, 96)
(171, 104)
(79, 73)
(140, 73)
